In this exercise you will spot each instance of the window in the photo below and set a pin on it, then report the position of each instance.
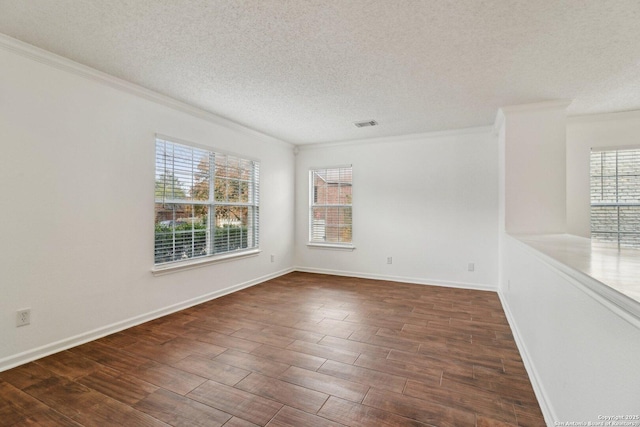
(330, 213)
(206, 203)
(615, 197)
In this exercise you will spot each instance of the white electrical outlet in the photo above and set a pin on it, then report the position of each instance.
(471, 266)
(389, 260)
(23, 317)
(273, 258)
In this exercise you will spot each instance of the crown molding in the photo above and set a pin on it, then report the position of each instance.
(602, 117)
(556, 104)
(51, 59)
(397, 138)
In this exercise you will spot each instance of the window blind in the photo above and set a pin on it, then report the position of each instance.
(615, 197)
(330, 215)
(206, 203)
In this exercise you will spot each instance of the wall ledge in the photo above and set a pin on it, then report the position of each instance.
(622, 305)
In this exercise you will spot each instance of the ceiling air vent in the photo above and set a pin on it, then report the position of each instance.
(365, 124)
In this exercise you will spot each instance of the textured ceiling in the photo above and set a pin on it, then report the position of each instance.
(303, 71)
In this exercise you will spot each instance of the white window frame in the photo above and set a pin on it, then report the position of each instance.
(252, 204)
(314, 242)
(618, 204)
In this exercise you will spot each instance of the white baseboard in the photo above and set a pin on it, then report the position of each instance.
(414, 280)
(545, 405)
(64, 344)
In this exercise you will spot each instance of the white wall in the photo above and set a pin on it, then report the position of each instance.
(77, 164)
(579, 348)
(77, 173)
(582, 352)
(430, 202)
(583, 133)
(534, 167)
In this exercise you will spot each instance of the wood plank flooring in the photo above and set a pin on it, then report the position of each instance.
(299, 350)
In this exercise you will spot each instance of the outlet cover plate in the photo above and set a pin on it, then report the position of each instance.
(23, 317)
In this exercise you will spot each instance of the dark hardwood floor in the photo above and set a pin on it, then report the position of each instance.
(299, 350)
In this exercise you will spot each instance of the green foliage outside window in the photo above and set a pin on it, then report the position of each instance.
(190, 240)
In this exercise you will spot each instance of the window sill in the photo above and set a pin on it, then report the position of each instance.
(331, 246)
(201, 262)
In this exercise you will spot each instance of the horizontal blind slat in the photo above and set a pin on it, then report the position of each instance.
(206, 202)
(615, 197)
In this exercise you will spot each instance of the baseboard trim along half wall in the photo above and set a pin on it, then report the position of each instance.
(538, 389)
(55, 347)
(402, 279)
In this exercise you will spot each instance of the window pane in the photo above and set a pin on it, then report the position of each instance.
(246, 166)
(609, 189)
(320, 185)
(629, 189)
(200, 189)
(608, 163)
(233, 190)
(344, 197)
(596, 164)
(332, 234)
(182, 173)
(615, 197)
(192, 185)
(331, 224)
(331, 197)
(630, 219)
(630, 240)
(221, 189)
(179, 232)
(604, 218)
(596, 189)
(629, 162)
(604, 237)
(231, 228)
(332, 175)
(318, 224)
(243, 189)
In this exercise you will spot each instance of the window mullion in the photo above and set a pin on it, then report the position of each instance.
(617, 206)
(211, 219)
